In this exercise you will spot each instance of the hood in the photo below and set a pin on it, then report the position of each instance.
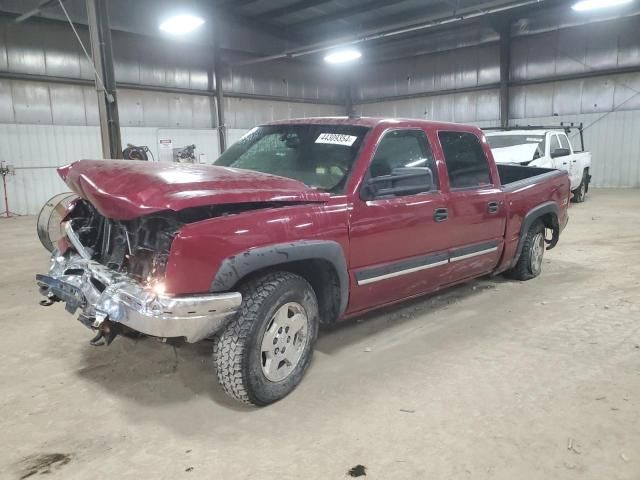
(127, 189)
(515, 154)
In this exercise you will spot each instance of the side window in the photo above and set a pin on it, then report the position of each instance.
(564, 141)
(466, 162)
(555, 144)
(403, 149)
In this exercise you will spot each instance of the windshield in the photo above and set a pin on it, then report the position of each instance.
(321, 156)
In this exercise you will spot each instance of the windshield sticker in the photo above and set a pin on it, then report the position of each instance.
(336, 139)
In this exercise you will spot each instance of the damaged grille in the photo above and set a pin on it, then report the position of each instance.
(139, 248)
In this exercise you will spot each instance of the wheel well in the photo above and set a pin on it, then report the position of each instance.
(322, 277)
(550, 221)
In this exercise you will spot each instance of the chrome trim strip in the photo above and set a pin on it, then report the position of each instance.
(402, 272)
(474, 254)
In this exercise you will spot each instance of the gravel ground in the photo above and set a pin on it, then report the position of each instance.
(493, 379)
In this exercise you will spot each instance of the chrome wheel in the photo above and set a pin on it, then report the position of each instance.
(583, 189)
(537, 253)
(284, 341)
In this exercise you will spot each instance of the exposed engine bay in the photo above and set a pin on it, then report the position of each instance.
(140, 247)
(137, 247)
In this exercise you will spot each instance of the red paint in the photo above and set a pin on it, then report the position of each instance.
(126, 189)
(371, 234)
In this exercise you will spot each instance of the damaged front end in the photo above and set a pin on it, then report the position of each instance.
(113, 273)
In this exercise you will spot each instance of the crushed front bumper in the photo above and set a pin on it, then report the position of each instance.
(105, 295)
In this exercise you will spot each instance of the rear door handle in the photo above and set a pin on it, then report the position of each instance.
(493, 207)
(440, 215)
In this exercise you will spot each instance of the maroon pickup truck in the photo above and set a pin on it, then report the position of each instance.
(300, 223)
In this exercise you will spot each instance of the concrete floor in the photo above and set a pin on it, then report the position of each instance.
(494, 379)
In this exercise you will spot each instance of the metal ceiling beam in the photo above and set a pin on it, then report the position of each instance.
(434, 93)
(33, 77)
(234, 3)
(291, 8)
(36, 11)
(391, 31)
(344, 13)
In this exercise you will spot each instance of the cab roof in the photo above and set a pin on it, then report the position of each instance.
(377, 121)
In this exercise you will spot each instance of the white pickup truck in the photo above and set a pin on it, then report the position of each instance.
(547, 147)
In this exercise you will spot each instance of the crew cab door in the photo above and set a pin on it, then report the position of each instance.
(398, 242)
(477, 209)
(569, 163)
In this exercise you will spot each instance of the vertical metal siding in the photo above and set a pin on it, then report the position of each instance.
(36, 150)
(613, 140)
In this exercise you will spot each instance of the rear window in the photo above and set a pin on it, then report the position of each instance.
(466, 162)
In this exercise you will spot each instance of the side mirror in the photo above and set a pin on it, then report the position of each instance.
(560, 152)
(402, 181)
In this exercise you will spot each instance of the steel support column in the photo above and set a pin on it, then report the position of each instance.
(102, 52)
(505, 72)
(348, 96)
(217, 76)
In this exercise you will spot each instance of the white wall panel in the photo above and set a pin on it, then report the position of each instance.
(37, 150)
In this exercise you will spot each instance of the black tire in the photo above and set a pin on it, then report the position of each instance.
(528, 265)
(238, 352)
(580, 193)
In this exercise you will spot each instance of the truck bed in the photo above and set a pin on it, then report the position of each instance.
(515, 176)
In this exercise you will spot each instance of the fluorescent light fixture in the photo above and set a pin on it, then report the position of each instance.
(585, 5)
(342, 56)
(181, 24)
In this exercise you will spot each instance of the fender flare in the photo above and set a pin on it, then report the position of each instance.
(235, 268)
(533, 215)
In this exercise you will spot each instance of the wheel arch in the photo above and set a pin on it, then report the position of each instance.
(548, 213)
(320, 262)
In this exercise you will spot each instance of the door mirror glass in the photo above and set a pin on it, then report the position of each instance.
(560, 152)
(401, 181)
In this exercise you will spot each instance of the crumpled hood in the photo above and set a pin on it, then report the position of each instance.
(126, 189)
(515, 154)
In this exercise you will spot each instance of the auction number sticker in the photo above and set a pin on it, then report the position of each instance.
(336, 139)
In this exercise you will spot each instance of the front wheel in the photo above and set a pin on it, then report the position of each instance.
(263, 353)
(530, 262)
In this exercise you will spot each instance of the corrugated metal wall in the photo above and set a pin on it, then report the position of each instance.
(37, 141)
(455, 69)
(608, 103)
(44, 125)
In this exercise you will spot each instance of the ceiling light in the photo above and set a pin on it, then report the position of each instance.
(342, 56)
(181, 24)
(585, 5)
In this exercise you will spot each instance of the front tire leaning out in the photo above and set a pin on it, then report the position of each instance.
(263, 353)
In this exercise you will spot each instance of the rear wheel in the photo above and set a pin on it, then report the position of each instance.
(261, 356)
(530, 262)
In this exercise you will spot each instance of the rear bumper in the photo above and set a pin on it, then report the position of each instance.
(103, 294)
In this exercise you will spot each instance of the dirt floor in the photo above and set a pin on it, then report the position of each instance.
(494, 379)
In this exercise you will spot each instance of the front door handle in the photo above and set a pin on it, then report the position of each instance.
(440, 215)
(493, 207)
